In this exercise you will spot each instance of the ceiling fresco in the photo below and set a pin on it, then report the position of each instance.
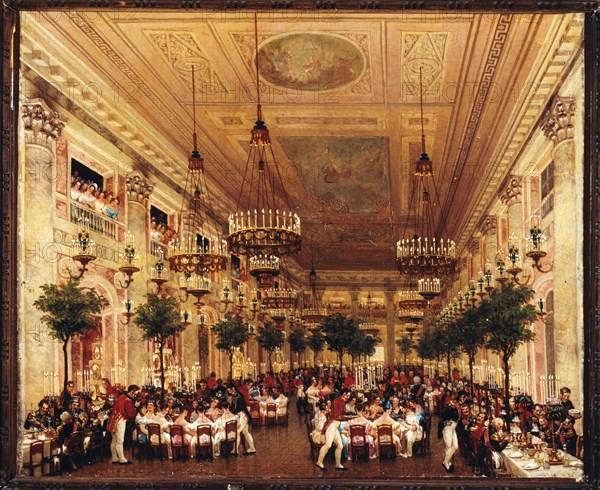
(311, 61)
(338, 170)
(340, 96)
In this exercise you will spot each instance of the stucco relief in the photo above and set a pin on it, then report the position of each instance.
(426, 51)
(182, 51)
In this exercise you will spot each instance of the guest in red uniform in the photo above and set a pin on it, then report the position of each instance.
(125, 406)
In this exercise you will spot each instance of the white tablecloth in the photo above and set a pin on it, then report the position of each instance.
(516, 467)
(26, 447)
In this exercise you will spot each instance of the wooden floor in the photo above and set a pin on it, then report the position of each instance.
(282, 455)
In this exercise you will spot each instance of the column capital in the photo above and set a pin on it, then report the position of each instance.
(138, 188)
(41, 124)
(557, 121)
(489, 225)
(512, 189)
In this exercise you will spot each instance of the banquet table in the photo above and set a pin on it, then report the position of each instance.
(524, 467)
(26, 447)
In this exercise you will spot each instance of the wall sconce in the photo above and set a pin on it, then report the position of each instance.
(502, 277)
(130, 259)
(83, 248)
(535, 244)
(128, 311)
(158, 272)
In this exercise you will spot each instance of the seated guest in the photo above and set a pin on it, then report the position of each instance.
(41, 419)
(65, 429)
(568, 436)
(375, 409)
(396, 412)
(549, 431)
(193, 411)
(145, 417)
(214, 412)
(192, 428)
(386, 419)
(499, 438)
(220, 434)
(350, 408)
(412, 431)
(360, 419)
(312, 393)
(281, 401)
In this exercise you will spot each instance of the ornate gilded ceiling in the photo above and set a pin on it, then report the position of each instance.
(340, 96)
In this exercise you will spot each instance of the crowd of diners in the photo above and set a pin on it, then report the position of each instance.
(404, 398)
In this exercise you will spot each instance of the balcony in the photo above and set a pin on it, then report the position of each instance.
(96, 221)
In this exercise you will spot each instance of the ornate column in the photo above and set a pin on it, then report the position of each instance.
(511, 197)
(490, 239)
(135, 352)
(39, 254)
(557, 125)
(390, 345)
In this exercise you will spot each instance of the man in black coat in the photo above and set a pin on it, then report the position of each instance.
(237, 406)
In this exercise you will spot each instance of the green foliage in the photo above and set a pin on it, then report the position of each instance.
(159, 318)
(426, 349)
(362, 345)
(339, 331)
(297, 341)
(471, 330)
(232, 332)
(269, 337)
(68, 309)
(406, 345)
(316, 342)
(507, 314)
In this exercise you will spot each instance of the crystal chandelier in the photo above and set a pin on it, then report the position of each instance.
(424, 254)
(280, 302)
(313, 312)
(263, 222)
(264, 267)
(199, 248)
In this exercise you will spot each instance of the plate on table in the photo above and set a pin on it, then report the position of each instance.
(531, 466)
(516, 455)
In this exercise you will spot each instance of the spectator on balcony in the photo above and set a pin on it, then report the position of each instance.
(112, 209)
(154, 235)
(76, 190)
(100, 202)
(87, 195)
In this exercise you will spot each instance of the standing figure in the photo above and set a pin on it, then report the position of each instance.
(450, 417)
(125, 406)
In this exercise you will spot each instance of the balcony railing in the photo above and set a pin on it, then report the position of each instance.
(96, 221)
(156, 247)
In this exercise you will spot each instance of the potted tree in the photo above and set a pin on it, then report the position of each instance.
(406, 345)
(269, 337)
(297, 343)
(470, 331)
(232, 332)
(316, 342)
(339, 331)
(507, 315)
(159, 319)
(68, 311)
